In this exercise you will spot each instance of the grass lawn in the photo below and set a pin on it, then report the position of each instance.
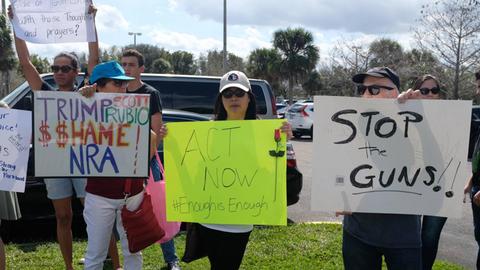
(298, 246)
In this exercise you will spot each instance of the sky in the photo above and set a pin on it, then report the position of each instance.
(196, 26)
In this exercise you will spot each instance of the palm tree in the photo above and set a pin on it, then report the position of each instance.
(265, 64)
(299, 54)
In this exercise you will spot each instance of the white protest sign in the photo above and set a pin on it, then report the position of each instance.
(15, 134)
(53, 21)
(379, 156)
(107, 135)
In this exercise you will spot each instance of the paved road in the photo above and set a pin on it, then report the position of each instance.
(457, 243)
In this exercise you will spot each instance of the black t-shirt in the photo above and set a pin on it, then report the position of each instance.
(155, 101)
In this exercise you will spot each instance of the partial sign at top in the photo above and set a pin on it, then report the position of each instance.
(379, 156)
(53, 21)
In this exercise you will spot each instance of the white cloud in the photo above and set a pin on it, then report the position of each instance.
(110, 18)
(241, 45)
(368, 16)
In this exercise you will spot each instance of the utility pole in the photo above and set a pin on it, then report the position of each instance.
(4, 8)
(135, 34)
(225, 67)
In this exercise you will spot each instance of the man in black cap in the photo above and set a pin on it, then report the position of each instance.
(368, 237)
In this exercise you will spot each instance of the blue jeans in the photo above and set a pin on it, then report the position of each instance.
(157, 176)
(431, 229)
(168, 250)
(358, 255)
(476, 221)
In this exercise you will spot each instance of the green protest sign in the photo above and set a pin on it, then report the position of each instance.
(226, 172)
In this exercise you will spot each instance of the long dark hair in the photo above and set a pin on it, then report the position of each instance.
(221, 114)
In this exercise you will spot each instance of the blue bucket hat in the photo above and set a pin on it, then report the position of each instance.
(109, 70)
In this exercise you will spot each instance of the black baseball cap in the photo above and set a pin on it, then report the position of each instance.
(380, 72)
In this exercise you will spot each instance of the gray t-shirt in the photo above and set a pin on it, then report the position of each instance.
(385, 230)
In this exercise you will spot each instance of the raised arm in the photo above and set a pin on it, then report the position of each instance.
(93, 54)
(29, 71)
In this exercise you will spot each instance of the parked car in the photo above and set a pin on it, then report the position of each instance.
(281, 109)
(300, 116)
(474, 129)
(34, 203)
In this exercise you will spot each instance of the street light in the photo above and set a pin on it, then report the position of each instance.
(134, 37)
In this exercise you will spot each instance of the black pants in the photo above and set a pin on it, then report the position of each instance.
(225, 250)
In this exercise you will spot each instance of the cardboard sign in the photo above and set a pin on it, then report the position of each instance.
(53, 21)
(106, 135)
(226, 172)
(379, 156)
(15, 135)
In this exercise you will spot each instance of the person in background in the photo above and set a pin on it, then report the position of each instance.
(105, 197)
(427, 87)
(65, 70)
(473, 184)
(368, 236)
(133, 62)
(9, 210)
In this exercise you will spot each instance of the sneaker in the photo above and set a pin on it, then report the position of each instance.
(82, 260)
(173, 266)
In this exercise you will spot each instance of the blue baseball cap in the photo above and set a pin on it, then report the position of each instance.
(109, 70)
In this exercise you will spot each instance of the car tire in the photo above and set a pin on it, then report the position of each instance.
(297, 135)
(311, 132)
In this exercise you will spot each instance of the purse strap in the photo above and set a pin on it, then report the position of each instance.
(127, 188)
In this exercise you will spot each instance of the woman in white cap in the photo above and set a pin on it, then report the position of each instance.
(225, 244)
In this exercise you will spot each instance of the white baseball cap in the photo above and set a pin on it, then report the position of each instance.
(236, 79)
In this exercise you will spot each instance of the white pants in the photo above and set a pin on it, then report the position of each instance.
(99, 214)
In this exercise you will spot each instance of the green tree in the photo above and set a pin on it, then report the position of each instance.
(183, 63)
(161, 65)
(151, 54)
(450, 30)
(313, 84)
(299, 54)
(385, 53)
(265, 64)
(7, 57)
(41, 64)
(212, 63)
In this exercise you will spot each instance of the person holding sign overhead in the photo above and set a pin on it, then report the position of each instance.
(105, 197)
(367, 236)
(225, 244)
(65, 70)
(427, 87)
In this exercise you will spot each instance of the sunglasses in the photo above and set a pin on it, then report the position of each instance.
(372, 89)
(231, 92)
(63, 69)
(425, 91)
(119, 83)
